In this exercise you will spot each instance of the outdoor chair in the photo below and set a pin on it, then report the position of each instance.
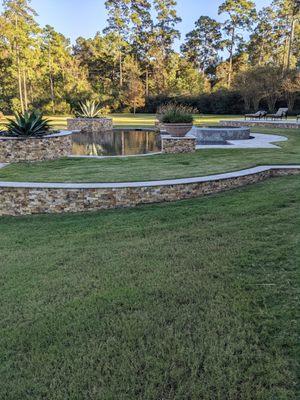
(281, 113)
(257, 115)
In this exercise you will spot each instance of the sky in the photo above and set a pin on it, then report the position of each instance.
(76, 18)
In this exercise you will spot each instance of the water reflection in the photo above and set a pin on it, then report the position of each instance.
(116, 143)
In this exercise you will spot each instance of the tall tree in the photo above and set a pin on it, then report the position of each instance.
(241, 16)
(288, 17)
(20, 38)
(203, 43)
(118, 23)
(141, 35)
(165, 29)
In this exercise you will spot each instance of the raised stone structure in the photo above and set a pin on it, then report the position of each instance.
(33, 198)
(173, 144)
(219, 134)
(92, 125)
(50, 147)
(263, 123)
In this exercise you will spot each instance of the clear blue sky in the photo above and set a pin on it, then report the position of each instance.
(84, 18)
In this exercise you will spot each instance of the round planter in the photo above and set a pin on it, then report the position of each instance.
(50, 147)
(92, 125)
(176, 129)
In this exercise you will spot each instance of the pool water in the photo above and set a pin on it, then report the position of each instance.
(119, 142)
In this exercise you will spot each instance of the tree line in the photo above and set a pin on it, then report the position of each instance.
(133, 65)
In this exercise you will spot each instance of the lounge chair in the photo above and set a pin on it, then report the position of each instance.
(257, 115)
(281, 113)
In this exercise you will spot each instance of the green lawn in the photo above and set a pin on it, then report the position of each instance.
(158, 167)
(191, 300)
(141, 120)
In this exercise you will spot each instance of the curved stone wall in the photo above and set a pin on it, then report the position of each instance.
(34, 198)
(35, 149)
(92, 125)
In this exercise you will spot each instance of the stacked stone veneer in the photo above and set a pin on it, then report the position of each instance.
(51, 198)
(173, 144)
(263, 123)
(35, 149)
(92, 125)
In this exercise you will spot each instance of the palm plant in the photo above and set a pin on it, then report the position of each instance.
(89, 109)
(29, 124)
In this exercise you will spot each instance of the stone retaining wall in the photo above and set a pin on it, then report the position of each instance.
(173, 144)
(92, 125)
(35, 149)
(64, 198)
(286, 124)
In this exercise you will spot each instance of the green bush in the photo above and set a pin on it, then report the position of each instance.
(173, 113)
(29, 124)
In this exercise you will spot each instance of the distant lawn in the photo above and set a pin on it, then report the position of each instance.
(203, 162)
(142, 120)
(192, 300)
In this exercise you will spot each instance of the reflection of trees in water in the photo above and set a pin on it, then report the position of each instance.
(115, 143)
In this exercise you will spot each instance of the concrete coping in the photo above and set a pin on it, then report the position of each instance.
(52, 135)
(165, 136)
(170, 182)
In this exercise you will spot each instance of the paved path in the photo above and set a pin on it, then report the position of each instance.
(168, 182)
(260, 141)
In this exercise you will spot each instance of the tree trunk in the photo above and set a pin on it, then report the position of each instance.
(25, 90)
(20, 86)
(52, 92)
(271, 100)
(51, 81)
(290, 99)
(290, 44)
(255, 103)
(121, 70)
(147, 83)
(19, 69)
(231, 59)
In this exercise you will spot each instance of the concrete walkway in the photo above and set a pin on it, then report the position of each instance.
(259, 141)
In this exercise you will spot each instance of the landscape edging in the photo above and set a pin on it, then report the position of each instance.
(21, 198)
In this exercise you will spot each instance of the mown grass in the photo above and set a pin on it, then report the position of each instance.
(203, 162)
(141, 120)
(191, 300)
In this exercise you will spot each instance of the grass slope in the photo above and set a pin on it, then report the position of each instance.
(192, 300)
(200, 163)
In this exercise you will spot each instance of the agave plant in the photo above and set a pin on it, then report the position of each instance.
(29, 124)
(89, 109)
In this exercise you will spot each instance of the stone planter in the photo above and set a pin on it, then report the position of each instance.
(177, 145)
(92, 125)
(176, 129)
(50, 147)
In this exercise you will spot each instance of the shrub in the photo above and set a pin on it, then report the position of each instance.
(173, 113)
(28, 125)
(89, 109)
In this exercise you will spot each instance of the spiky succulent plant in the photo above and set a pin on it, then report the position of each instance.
(89, 109)
(29, 124)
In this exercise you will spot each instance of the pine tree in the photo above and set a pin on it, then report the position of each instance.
(20, 39)
(241, 15)
(165, 29)
(203, 43)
